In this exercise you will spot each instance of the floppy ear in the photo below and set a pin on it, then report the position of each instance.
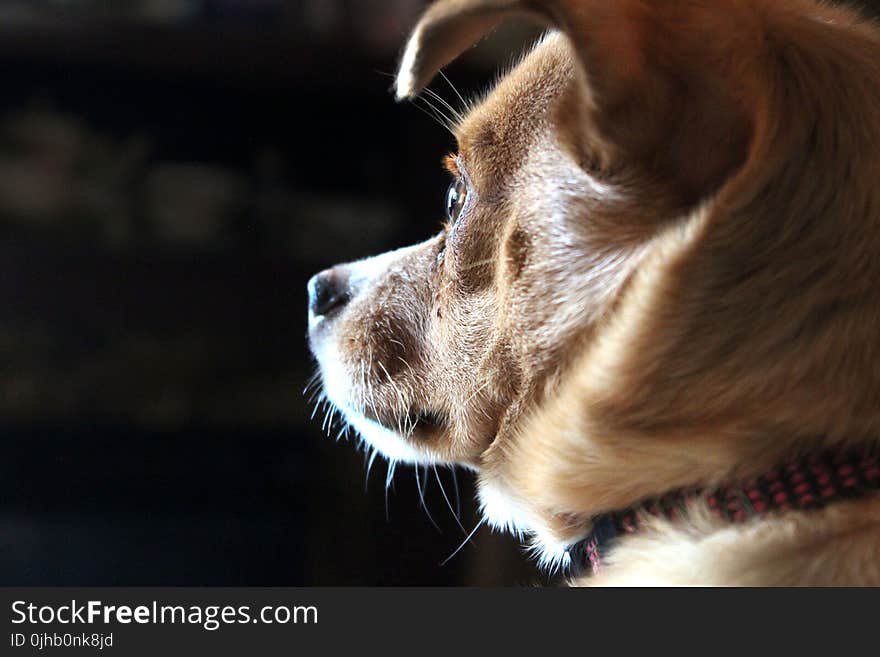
(664, 82)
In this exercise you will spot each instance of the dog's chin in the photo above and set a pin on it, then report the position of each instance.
(388, 442)
(380, 432)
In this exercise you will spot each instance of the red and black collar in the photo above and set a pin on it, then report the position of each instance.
(803, 484)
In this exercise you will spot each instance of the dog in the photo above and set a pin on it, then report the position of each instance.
(651, 323)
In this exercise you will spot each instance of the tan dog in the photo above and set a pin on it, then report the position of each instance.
(661, 271)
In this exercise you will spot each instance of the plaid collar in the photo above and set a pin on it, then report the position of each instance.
(808, 483)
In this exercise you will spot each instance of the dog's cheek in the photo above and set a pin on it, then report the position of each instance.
(482, 368)
(476, 334)
(516, 254)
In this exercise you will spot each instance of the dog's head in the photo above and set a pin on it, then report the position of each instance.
(583, 221)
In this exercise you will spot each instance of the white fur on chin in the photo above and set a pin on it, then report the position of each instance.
(337, 384)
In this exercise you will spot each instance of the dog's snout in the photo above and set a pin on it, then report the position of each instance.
(328, 291)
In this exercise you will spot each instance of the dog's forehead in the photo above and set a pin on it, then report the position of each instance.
(516, 109)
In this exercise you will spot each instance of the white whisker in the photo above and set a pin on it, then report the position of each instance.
(457, 494)
(465, 542)
(448, 503)
(454, 90)
(422, 498)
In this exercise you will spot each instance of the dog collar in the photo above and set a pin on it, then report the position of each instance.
(804, 484)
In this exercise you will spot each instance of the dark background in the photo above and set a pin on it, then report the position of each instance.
(171, 173)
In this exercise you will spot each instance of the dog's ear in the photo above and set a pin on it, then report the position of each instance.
(445, 30)
(665, 82)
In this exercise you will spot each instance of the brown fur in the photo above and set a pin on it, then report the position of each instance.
(667, 276)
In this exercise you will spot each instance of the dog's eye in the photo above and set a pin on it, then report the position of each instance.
(456, 195)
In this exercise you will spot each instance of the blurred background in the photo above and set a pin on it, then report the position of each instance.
(171, 173)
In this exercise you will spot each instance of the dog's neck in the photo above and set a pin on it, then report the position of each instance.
(804, 484)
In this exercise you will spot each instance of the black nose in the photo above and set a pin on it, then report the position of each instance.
(328, 291)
